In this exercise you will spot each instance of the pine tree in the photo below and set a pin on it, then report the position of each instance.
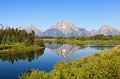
(8, 39)
(3, 40)
(33, 36)
(13, 39)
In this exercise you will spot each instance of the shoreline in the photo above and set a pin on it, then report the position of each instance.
(99, 65)
(18, 48)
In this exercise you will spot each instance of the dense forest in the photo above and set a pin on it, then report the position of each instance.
(10, 36)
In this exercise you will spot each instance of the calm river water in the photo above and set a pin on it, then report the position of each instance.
(13, 65)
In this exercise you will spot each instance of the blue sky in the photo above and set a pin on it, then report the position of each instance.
(90, 14)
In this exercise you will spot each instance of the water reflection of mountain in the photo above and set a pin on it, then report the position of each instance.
(30, 56)
(64, 50)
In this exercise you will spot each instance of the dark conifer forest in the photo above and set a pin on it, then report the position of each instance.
(10, 36)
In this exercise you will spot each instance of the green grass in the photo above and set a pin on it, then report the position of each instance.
(18, 48)
(102, 65)
(75, 41)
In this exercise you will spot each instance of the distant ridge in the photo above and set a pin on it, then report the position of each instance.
(3, 27)
(29, 28)
(67, 28)
(108, 30)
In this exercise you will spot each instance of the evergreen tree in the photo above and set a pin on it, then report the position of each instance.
(8, 40)
(13, 39)
(4, 40)
(33, 36)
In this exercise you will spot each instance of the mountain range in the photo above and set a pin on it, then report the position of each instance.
(67, 28)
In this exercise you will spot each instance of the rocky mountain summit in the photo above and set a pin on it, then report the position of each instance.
(62, 28)
(108, 30)
(67, 27)
(93, 32)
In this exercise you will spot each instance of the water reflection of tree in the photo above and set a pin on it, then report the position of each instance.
(102, 47)
(21, 56)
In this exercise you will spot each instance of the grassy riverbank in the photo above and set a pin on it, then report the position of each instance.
(103, 65)
(97, 39)
(18, 48)
(75, 41)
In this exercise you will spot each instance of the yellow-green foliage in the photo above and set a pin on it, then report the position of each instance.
(76, 41)
(104, 65)
(35, 74)
(18, 48)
